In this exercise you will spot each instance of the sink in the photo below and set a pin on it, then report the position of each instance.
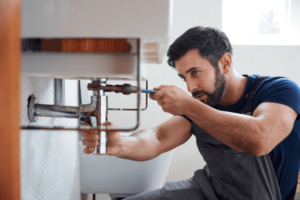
(82, 66)
(149, 21)
(113, 175)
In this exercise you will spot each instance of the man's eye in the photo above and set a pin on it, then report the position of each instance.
(195, 72)
(182, 78)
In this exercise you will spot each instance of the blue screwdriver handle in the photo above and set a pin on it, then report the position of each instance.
(149, 91)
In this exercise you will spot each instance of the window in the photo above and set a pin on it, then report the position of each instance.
(261, 21)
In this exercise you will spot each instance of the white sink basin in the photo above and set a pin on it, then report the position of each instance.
(82, 66)
(112, 175)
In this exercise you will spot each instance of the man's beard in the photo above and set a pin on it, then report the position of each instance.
(213, 98)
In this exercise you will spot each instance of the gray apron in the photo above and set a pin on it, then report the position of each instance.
(234, 175)
(228, 175)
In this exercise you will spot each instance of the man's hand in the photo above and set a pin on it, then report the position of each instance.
(145, 144)
(114, 140)
(172, 99)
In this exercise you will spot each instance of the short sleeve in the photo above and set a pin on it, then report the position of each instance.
(278, 90)
(186, 118)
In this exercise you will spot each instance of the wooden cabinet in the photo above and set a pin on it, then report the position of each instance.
(10, 51)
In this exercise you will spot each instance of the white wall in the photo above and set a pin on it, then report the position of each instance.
(49, 159)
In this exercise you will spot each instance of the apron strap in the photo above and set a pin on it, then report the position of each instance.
(250, 95)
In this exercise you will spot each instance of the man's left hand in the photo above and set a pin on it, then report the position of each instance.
(172, 99)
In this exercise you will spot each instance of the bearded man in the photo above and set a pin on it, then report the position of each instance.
(246, 126)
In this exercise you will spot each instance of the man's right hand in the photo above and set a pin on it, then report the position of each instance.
(144, 144)
(114, 140)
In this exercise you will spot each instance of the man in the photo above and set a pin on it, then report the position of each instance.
(248, 156)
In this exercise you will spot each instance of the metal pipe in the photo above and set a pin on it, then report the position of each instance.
(56, 111)
(138, 86)
(82, 128)
(59, 91)
(103, 119)
(133, 109)
(87, 110)
(99, 102)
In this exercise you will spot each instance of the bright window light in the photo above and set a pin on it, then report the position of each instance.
(257, 21)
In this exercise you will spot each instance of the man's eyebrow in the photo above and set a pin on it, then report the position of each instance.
(181, 76)
(191, 69)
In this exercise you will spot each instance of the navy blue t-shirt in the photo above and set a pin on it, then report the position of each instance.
(285, 156)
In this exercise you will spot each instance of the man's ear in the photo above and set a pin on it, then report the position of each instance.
(225, 62)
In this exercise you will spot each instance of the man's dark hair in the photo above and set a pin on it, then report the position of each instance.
(211, 42)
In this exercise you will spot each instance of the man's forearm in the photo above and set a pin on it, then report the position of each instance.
(140, 146)
(241, 132)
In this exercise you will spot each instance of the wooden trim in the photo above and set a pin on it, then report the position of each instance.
(86, 45)
(10, 52)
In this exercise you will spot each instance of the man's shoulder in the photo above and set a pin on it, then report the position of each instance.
(277, 84)
(278, 90)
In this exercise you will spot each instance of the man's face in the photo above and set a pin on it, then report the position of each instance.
(205, 82)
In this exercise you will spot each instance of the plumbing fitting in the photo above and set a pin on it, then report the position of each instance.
(97, 108)
(35, 110)
(125, 88)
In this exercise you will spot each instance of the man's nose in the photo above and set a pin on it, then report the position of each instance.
(191, 86)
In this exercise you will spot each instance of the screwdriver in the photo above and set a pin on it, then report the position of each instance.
(149, 91)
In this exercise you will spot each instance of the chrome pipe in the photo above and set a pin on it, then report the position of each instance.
(56, 111)
(103, 119)
(103, 105)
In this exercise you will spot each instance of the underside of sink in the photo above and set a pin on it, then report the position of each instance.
(113, 175)
(82, 65)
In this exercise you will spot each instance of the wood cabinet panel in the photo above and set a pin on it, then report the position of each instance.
(86, 45)
(10, 52)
